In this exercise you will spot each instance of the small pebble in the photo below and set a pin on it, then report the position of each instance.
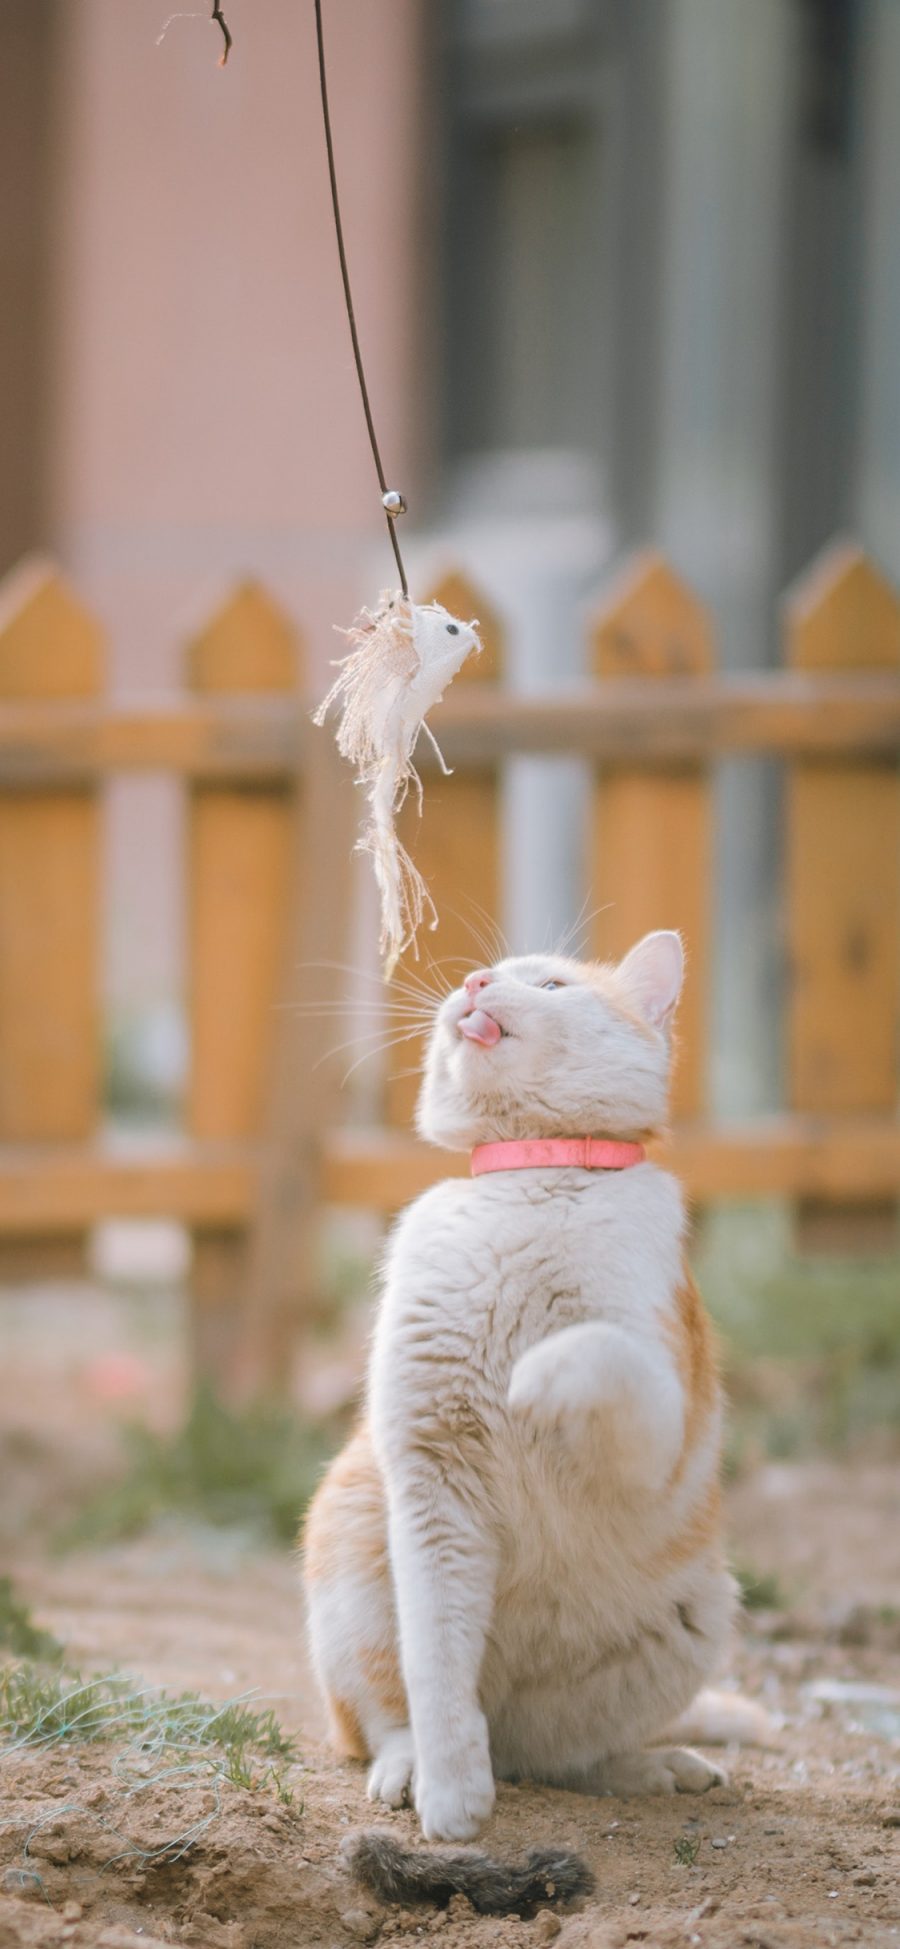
(546, 1928)
(634, 1899)
(719, 1842)
(72, 1912)
(361, 1923)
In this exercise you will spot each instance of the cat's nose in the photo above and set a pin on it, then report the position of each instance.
(480, 979)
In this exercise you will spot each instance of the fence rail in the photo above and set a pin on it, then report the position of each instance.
(269, 829)
(783, 714)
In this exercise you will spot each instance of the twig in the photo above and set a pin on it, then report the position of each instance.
(218, 16)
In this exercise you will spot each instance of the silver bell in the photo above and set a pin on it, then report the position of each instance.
(393, 503)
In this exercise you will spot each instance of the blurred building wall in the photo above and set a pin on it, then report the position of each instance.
(625, 270)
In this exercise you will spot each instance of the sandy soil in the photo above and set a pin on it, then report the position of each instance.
(801, 1850)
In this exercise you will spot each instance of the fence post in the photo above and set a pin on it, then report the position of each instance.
(651, 827)
(50, 649)
(239, 852)
(302, 1083)
(843, 886)
(456, 845)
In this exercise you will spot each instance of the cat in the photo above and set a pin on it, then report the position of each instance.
(515, 1569)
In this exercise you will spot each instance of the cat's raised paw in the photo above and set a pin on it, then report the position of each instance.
(538, 1387)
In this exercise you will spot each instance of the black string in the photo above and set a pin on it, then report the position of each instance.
(348, 298)
(220, 21)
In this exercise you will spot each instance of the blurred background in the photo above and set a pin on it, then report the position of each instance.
(627, 272)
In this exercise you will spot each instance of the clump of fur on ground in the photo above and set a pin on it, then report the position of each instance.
(397, 1874)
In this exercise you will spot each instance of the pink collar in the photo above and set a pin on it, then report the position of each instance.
(534, 1153)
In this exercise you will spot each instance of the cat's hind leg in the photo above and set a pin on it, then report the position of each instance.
(725, 1719)
(352, 1622)
(660, 1769)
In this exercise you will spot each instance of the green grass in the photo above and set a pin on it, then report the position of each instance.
(40, 1707)
(760, 1589)
(686, 1849)
(811, 1344)
(19, 1634)
(254, 1470)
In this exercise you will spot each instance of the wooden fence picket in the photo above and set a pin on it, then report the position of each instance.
(50, 650)
(843, 880)
(456, 846)
(239, 862)
(651, 828)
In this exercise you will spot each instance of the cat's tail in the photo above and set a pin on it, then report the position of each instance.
(400, 1874)
(725, 1719)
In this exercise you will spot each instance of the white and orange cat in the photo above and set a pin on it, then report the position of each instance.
(515, 1568)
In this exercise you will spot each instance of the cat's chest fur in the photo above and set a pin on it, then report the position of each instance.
(479, 1271)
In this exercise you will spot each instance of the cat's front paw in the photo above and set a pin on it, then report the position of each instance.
(454, 1810)
(392, 1768)
(539, 1388)
(454, 1801)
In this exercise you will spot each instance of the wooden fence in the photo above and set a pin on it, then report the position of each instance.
(270, 824)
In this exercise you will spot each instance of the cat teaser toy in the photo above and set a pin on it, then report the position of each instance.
(403, 655)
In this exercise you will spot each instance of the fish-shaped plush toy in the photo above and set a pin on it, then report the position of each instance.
(403, 656)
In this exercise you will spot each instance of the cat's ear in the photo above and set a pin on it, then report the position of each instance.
(652, 974)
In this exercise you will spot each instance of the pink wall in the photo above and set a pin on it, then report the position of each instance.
(205, 415)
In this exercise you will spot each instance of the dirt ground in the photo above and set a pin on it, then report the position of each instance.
(799, 1851)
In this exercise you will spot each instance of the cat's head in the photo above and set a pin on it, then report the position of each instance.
(544, 1046)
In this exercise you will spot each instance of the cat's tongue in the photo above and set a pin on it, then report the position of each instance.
(479, 1027)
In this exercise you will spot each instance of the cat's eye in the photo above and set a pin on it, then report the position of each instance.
(551, 984)
(452, 629)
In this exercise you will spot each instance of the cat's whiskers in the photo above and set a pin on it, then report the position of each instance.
(418, 982)
(491, 942)
(379, 1049)
(352, 1006)
(570, 939)
(399, 1075)
(409, 981)
(381, 1038)
(378, 1039)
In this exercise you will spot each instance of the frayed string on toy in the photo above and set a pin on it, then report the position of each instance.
(218, 20)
